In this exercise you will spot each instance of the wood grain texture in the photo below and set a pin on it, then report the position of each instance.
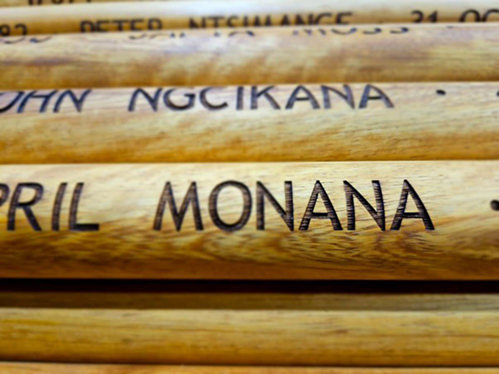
(251, 337)
(238, 123)
(236, 233)
(390, 53)
(48, 368)
(160, 15)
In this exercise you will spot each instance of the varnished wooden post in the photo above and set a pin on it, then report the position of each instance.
(251, 123)
(165, 15)
(215, 337)
(388, 53)
(50, 368)
(343, 220)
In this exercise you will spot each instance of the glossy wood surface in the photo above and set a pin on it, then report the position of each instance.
(251, 220)
(328, 122)
(386, 53)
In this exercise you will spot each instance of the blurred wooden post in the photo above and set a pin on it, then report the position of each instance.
(164, 15)
(47, 368)
(388, 53)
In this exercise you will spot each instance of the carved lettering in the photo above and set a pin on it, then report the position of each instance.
(167, 198)
(286, 214)
(77, 102)
(12, 102)
(152, 100)
(25, 206)
(378, 215)
(178, 107)
(380, 96)
(246, 211)
(207, 104)
(401, 214)
(56, 210)
(311, 214)
(35, 95)
(308, 96)
(73, 212)
(347, 96)
(255, 95)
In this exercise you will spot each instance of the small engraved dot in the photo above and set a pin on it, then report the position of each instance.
(494, 204)
(441, 92)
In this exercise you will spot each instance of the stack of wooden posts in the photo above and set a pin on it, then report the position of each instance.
(249, 186)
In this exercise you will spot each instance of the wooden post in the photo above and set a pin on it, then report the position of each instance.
(166, 15)
(388, 53)
(215, 337)
(252, 123)
(337, 220)
(49, 368)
